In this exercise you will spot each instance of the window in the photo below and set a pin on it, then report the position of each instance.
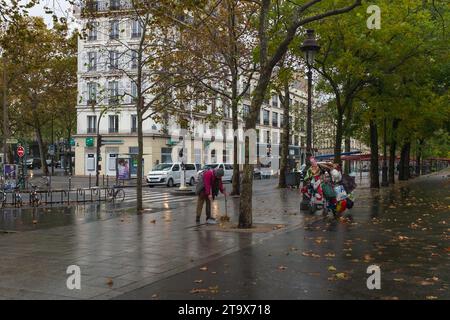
(92, 61)
(136, 29)
(92, 6)
(189, 166)
(245, 111)
(92, 32)
(134, 92)
(113, 123)
(92, 93)
(303, 141)
(275, 119)
(275, 101)
(266, 136)
(114, 30)
(266, 117)
(91, 124)
(281, 120)
(114, 4)
(134, 60)
(257, 135)
(113, 87)
(113, 60)
(275, 137)
(176, 167)
(302, 125)
(166, 155)
(133, 123)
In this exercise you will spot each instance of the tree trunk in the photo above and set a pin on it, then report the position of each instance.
(392, 151)
(139, 205)
(419, 157)
(236, 183)
(286, 135)
(41, 149)
(374, 165)
(404, 161)
(245, 207)
(384, 169)
(347, 146)
(339, 133)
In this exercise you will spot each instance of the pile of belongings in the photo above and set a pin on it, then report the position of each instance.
(337, 187)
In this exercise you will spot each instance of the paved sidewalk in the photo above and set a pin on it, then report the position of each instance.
(159, 254)
(121, 254)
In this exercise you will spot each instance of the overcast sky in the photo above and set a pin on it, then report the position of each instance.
(62, 8)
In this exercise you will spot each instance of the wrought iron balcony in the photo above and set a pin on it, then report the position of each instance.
(93, 6)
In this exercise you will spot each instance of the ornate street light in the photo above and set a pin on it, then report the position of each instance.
(310, 48)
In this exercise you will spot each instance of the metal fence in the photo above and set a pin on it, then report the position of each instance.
(16, 198)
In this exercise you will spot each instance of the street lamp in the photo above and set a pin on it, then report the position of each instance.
(309, 48)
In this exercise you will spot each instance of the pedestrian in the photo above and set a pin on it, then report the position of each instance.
(212, 184)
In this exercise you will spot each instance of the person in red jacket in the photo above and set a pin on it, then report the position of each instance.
(212, 180)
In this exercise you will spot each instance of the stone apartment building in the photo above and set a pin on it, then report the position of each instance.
(102, 57)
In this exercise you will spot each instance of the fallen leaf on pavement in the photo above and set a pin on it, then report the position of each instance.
(153, 221)
(198, 281)
(282, 268)
(341, 275)
(329, 254)
(331, 268)
(399, 279)
(204, 268)
(155, 296)
(109, 282)
(214, 289)
(431, 297)
(196, 290)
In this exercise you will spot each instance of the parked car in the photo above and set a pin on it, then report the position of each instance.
(49, 163)
(34, 163)
(257, 173)
(227, 169)
(169, 174)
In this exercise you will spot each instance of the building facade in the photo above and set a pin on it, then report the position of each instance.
(106, 93)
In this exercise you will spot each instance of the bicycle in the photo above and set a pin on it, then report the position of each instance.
(3, 198)
(18, 202)
(116, 193)
(35, 197)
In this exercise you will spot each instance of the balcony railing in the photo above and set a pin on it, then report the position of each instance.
(91, 6)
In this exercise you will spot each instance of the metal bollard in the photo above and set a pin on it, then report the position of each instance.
(90, 180)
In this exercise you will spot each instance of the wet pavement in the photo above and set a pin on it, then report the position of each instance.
(404, 230)
(164, 255)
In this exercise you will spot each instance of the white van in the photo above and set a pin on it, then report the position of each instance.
(227, 169)
(169, 174)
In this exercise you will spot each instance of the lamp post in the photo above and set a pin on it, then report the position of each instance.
(309, 48)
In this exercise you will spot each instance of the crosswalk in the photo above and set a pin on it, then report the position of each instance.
(150, 197)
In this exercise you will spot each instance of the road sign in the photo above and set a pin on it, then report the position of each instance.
(12, 141)
(20, 151)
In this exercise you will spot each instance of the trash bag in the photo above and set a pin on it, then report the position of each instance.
(350, 203)
(348, 182)
(340, 192)
(328, 191)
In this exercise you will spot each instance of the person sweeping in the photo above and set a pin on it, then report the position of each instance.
(208, 187)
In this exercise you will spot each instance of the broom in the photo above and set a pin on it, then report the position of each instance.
(225, 218)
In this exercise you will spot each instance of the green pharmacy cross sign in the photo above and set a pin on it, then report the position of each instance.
(89, 142)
